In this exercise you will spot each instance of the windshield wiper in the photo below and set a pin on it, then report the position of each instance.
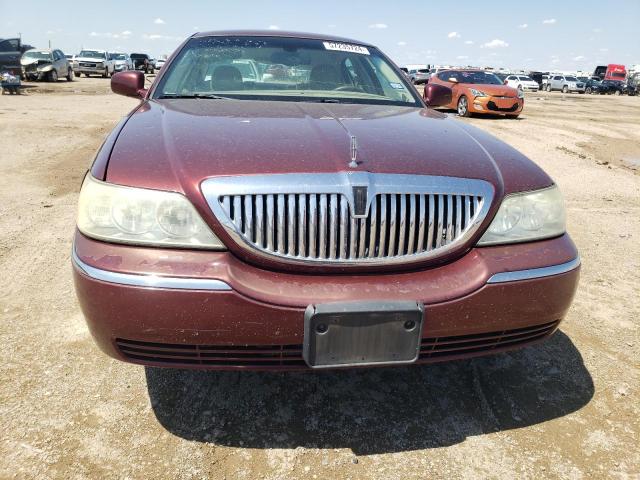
(194, 95)
(326, 100)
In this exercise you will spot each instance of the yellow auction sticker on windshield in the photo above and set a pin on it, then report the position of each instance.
(346, 47)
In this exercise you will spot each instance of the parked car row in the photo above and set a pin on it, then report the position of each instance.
(105, 63)
(31, 63)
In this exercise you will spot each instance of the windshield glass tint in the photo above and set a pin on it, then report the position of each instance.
(38, 55)
(525, 79)
(118, 56)
(292, 69)
(482, 78)
(571, 79)
(91, 54)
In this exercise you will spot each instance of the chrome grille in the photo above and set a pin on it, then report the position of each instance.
(311, 219)
(320, 226)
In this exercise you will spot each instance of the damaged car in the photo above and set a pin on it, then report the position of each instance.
(46, 65)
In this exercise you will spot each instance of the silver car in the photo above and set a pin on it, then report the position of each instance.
(565, 84)
(121, 61)
(418, 76)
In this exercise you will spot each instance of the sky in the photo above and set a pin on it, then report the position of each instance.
(545, 35)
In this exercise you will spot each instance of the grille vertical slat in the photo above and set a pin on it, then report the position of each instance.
(248, 215)
(431, 225)
(439, 232)
(383, 226)
(281, 223)
(412, 224)
(322, 227)
(333, 225)
(353, 232)
(362, 237)
(392, 227)
(292, 219)
(373, 229)
(402, 224)
(302, 225)
(467, 211)
(259, 221)
(313, 225)
(237, 211)
(421, 224)
(458, 216)
(322, 242)
(344, 225)
(449, 227)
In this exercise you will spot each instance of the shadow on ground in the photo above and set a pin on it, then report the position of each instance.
(375, 410)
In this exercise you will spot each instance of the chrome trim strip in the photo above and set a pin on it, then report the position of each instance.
(148, 281)
(535, 272)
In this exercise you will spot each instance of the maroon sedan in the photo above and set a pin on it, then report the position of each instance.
(321, 218)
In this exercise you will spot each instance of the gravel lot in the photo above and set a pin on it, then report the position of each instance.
(567, 408)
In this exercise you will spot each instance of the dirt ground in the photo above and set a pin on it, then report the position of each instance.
(568, 408)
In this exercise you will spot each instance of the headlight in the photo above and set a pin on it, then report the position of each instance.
(528, 216)
(520, 91)
(141, 216)
(477, 93)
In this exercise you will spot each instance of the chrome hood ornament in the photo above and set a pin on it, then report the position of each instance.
(354, 152)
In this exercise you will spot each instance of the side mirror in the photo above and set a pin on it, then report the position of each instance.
(506, 82)
(437, 95)
(129, 84)
(453, 79)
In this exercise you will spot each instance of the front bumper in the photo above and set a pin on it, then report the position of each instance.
(199, 309)
(497, 105)
(98, 69)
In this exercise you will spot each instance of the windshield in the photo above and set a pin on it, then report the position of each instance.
(525, 79)
(37, 55)
(91, 54)
(571, 79)
(480, 78)
(290, 69)
(118, 56)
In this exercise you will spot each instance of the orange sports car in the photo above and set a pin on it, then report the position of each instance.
(477, 91)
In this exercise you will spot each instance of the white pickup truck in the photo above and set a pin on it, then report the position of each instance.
(93, 62)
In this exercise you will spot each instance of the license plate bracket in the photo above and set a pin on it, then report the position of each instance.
(362, 333)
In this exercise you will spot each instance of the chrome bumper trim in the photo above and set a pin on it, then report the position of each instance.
(148, 281)
(535, 272)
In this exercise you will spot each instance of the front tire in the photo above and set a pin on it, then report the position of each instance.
(565, 89)
(77, 74)
(53, 76)
(617, 92)
(105, 74)
(548, 88)
(588, 90)
(463, 106)
(69, 75)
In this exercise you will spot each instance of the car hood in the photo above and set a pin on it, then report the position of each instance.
(30, 61)
(495, 90)
(175, 144)
(89, 59)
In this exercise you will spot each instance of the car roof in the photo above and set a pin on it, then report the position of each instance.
(277, 33)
